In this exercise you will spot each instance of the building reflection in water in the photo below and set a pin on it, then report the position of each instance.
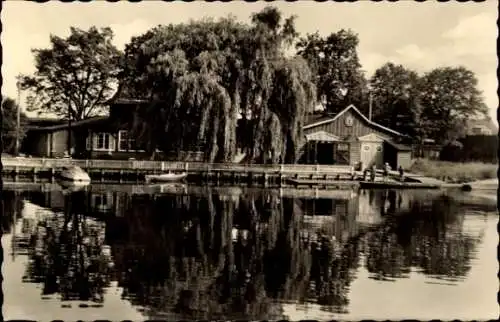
(233, 255)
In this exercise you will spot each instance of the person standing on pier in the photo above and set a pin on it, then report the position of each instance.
(373, 172)
(386, 171)
(401, 173)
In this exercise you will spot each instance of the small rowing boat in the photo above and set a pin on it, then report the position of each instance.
(166, 177)
(74, 174)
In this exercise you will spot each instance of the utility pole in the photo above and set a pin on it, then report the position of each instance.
(18, 122)
(370, 102)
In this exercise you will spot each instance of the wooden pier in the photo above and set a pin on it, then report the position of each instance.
(135, 170)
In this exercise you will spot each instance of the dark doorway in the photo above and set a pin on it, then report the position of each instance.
(325, 153)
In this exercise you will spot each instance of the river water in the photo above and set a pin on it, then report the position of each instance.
(123, 252)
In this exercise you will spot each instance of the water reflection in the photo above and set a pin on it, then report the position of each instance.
(66, 250)
(428, 236)
(230, 254)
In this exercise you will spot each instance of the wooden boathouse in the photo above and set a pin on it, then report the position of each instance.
(350, 138)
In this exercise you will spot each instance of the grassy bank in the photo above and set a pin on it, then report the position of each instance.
(454, 172)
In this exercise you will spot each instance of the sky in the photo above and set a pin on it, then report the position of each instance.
(421, 36)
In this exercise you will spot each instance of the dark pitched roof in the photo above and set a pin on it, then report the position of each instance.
(37, 122)
(398, 146)
(89, 121)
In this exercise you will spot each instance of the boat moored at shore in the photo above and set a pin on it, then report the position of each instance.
(74, 174)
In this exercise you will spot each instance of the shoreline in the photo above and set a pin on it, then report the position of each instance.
(281, 174)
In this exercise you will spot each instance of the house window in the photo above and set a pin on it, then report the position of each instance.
(125, 143)
(366, 147)
(102, 142)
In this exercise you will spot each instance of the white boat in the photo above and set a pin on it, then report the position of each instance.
(74, 174)
(165, 177)
(72, 186)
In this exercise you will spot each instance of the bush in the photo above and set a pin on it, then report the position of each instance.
(454, 172)
(473, 148)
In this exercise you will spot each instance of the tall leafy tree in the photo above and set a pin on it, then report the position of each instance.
(75, 75)
(202, 76)
(450, 97)
(335, 63)
(9, 125)
(396, 98)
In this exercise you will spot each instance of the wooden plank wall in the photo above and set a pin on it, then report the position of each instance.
(338, 127)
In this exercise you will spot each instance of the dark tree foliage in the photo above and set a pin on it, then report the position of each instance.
(396, 99)
(203, 75)
(9, 125)
(475, 148)
(434, 106)
(449, 97)
(75, 75)
(335, 64)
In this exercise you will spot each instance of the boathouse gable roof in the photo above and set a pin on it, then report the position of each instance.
(351, 108)
(372, 137)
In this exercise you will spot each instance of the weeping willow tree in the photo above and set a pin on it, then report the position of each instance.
(205, 77)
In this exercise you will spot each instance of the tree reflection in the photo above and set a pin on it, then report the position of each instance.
(228, 257)
(429, 236)
(67, 255)
(219, 256)
(12, 204)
